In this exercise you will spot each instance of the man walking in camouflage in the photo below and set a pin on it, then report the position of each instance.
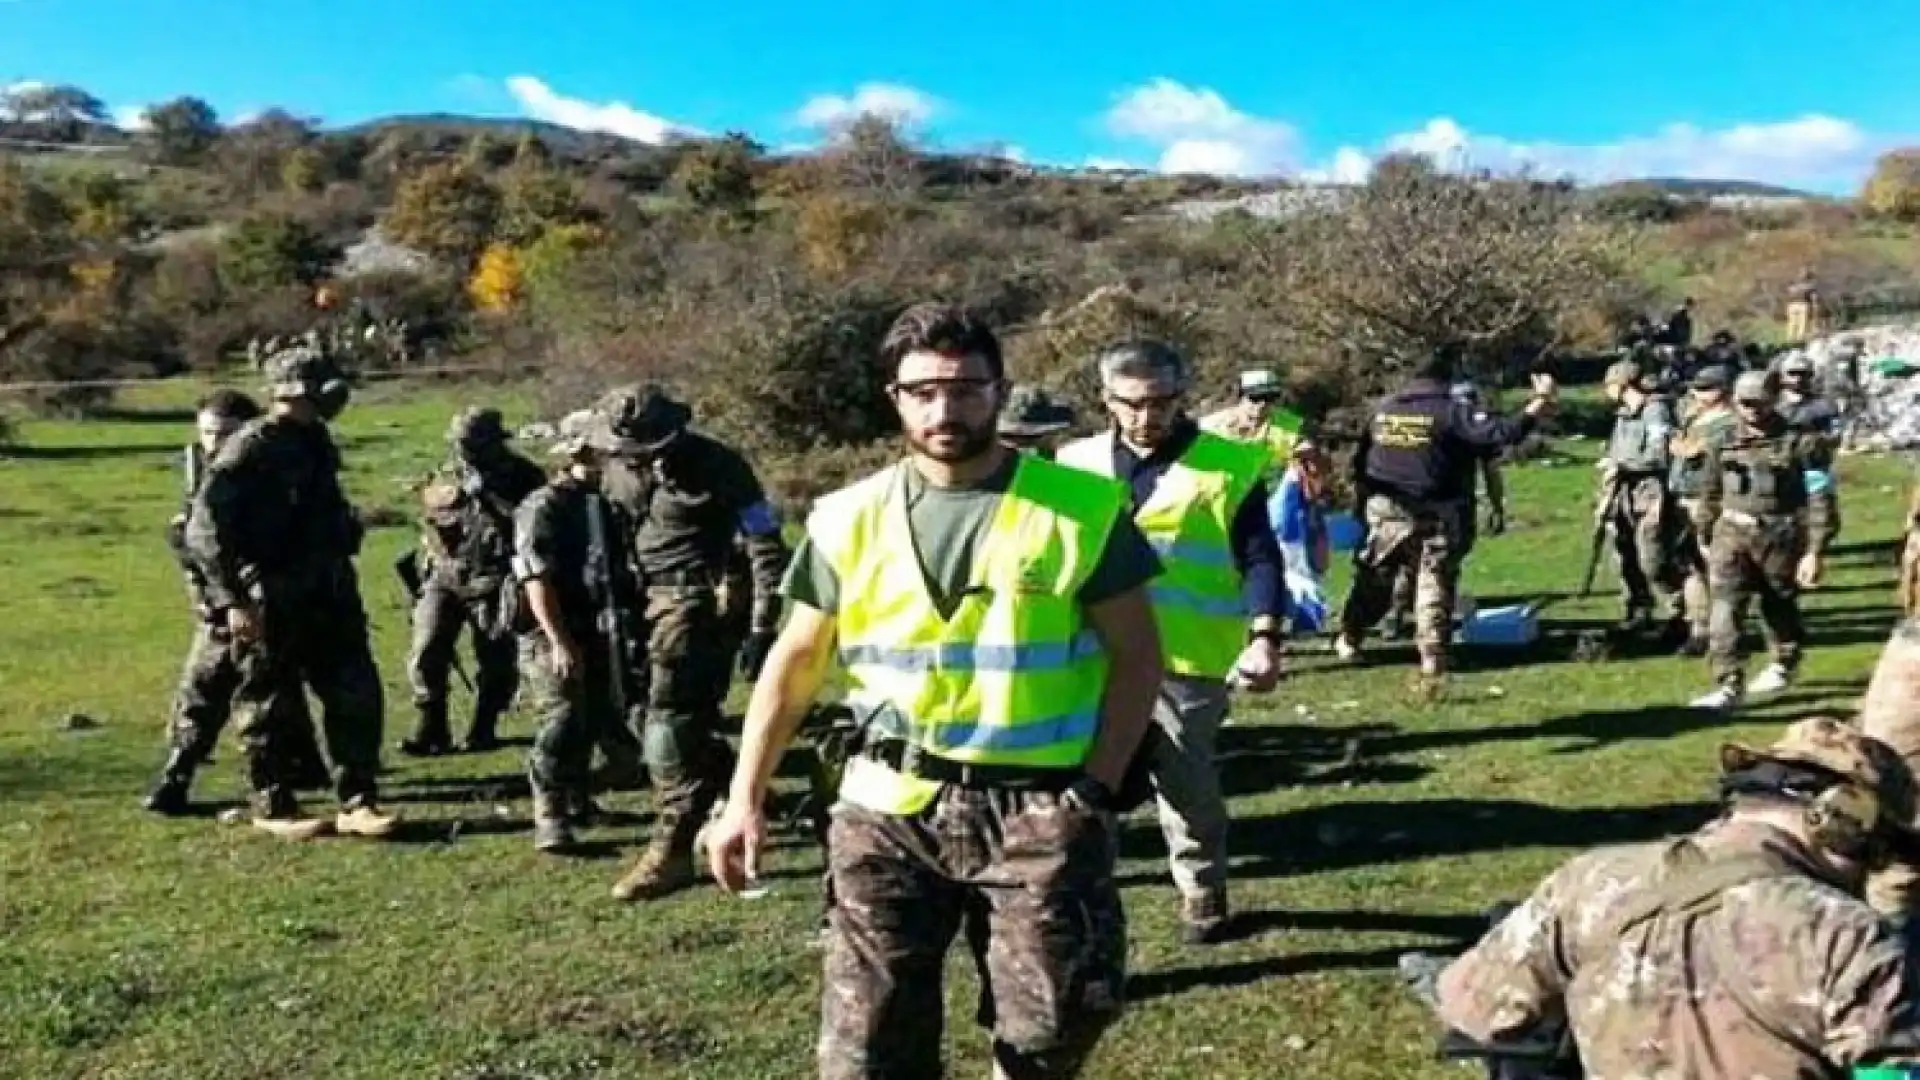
(467, 537)
(573, 566)
(1400, 614)
(1633, 495)
(203, 699)
(990, 610)
(1703, 430)
(690, 500)
(1742, 950)
(275, 538)
(1413, 476)
(1765, 533)
(1806, 408)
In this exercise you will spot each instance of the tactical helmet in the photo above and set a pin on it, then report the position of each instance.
(1797, 364)
(473, 426)
(1031, 411)
(1754, 386)
(641, 419)
(1464, 392)
(580, 430)
(303, 372)
(1848, 753)
(1624, 373)
(1711, 377)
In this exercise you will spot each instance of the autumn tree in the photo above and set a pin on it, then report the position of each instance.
(533, 199)
(718, 176)
(873, 154)
(1417, 258)
(445, 210)
(182, 131)
(253, 153)
(1893, 191)
(270, 250)
(497, 280)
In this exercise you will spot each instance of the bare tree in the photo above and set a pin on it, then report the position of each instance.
(1417, 258)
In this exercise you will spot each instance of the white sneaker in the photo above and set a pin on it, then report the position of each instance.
(1723, 699)
(1344, 649)
(1771, 681)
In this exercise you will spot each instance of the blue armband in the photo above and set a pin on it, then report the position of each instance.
(1819, 481)
(760, 519)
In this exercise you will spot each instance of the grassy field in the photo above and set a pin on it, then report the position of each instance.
(132, 947)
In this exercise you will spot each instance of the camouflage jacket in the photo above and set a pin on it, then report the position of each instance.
(690, 507)
(1638, 445)
(1702, 432)
(552, 542)
(467, 527)
(1789, 976)
(270, 510)
(1762, 472)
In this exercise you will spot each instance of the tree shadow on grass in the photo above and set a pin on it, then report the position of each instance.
(1171, 981)
(83, 453)
(1264, 757)
(1372, 833)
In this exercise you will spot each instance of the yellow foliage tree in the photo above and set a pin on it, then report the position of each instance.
(497, 279)
(837, 231)
(93, 276)
(1894, 188)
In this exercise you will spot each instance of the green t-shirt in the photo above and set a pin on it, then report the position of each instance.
(948, 526)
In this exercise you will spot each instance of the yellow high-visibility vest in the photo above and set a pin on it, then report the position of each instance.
(1189, 521)
(1276, 437)
(1013, 677)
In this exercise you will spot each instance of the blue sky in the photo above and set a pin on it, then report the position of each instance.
(1789, 92)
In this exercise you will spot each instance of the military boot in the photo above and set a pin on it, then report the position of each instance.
(431, 736)
(169, 796)
(276, 811)
(361, 816)
(551, 829)
(482, 735)
(1203, 919)
(667, 864)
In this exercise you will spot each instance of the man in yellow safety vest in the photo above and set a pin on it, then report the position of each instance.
(1202, 503)
(989, 609)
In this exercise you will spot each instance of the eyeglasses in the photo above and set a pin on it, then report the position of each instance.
(1157, 403)
(959, 391)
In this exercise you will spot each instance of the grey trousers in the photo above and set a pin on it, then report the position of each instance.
(1193, 813)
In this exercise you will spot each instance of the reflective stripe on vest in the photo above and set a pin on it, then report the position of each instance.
(1188, 519)
(1013, 677)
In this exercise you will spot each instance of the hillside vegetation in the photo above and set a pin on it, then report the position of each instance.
(758, 284)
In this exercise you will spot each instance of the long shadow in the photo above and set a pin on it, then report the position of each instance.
(122, 415)
(1868, 549)
(1343, 835)
(82, 453)
(1170, 981)
(1594, 728)
(1257, 759)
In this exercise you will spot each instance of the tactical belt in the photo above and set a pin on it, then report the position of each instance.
(681, 579)
(903, 757)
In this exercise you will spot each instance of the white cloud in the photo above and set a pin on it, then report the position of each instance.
(1350, 165)
(1812, 150)
(1111, 164)
(1196, 130)
(130, 117)
(900, 104)
(538, 100)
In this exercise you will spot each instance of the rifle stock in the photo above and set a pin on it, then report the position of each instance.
(1603, 520)
(601, 583)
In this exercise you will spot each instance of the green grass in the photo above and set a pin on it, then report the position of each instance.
(141, 948)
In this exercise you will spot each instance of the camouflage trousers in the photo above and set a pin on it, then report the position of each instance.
(318, 639)
(1752, 556)
(1186, 782)
(688, 674)
(1890, 712)
(1690, 565)
(438, 617)
(1398, 538)
(570, 713)
(1048, 932)
(203, 703)
(1401, 611)
(1643, 527)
